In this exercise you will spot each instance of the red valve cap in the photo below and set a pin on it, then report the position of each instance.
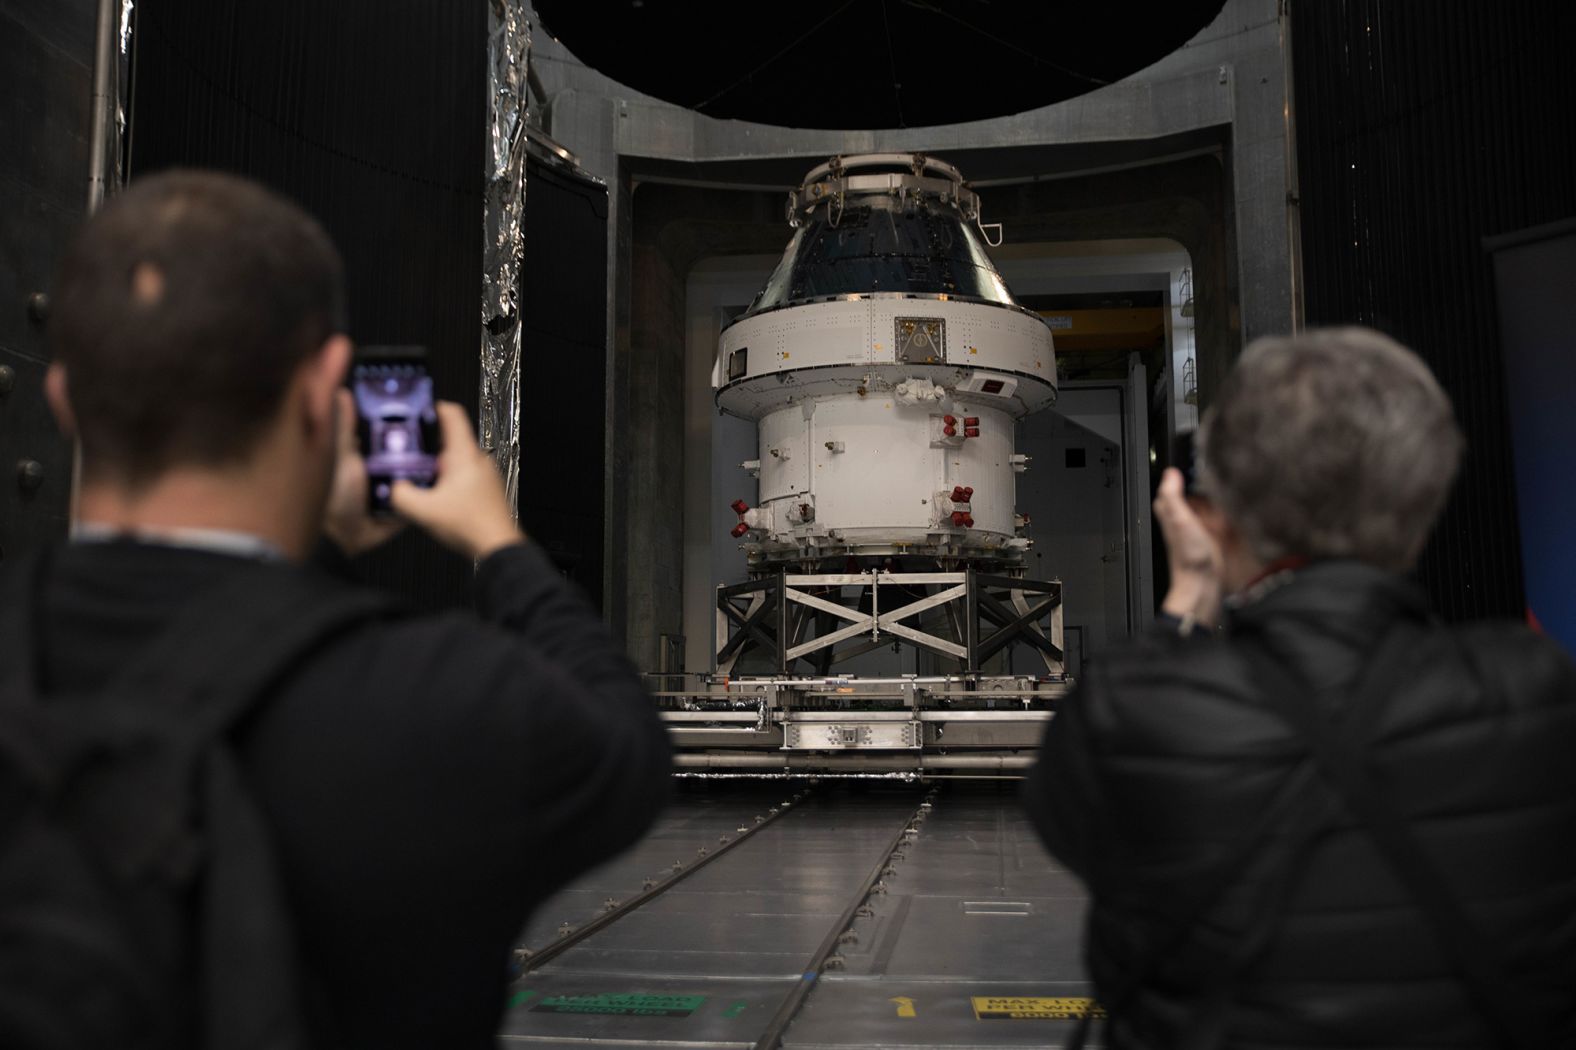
(949, 420)
(739, 506)
(972, 432)
(968, 493)
(968, 521)
(957, 494)
(950, 431)
(959, 518)
(740, 529)
(971, 421)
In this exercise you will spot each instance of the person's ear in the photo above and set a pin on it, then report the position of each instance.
(321, 377)
(58, 395)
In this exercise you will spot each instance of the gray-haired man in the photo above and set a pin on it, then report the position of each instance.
(1335, 821)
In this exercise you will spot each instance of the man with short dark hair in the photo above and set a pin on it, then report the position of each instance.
(425, 780)
(1334, 821)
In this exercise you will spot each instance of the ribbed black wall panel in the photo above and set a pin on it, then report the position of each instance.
(370, 113)
(1421, 129)
(563, 377)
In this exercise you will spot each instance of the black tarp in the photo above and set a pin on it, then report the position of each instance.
(563, 374)
(370, 113)
(1421, 129)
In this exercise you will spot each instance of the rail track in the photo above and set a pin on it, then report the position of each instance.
(757, 936)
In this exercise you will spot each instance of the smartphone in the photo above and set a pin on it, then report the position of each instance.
(396, 419)
(1184, 456)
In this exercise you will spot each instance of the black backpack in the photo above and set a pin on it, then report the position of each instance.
(140, 905)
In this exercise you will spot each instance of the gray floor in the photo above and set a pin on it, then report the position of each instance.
(977, 925)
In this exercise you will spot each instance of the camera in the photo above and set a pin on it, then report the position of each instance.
(1184, 456)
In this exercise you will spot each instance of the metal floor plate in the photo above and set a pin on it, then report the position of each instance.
(975, 941)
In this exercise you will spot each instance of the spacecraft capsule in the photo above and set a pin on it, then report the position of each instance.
(884, 363)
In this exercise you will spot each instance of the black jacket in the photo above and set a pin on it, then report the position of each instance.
(1159, 764)
(427, 779)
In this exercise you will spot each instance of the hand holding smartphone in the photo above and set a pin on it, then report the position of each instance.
(390, 458)
(396, 420)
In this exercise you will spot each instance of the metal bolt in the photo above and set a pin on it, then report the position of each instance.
(7, 379)
(29, 475)
(760, 819)
(741, 829)
(565, 930)
(38, 307)
(610, 904)
(836, 962)
(678, 865)
(723, 840)
(648, 884)
(848, 937)
(879, 888)
(701, 852)
(865, 911)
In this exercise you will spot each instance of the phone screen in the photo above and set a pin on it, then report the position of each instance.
(396, 420)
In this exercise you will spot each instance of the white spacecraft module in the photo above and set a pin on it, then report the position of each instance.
(886, 365)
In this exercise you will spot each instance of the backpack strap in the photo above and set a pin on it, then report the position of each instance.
(1478, 960)
(219, 658)
(23, 747)
(223, 656)
(19, 589)
(1382, 670)
(1297, 815)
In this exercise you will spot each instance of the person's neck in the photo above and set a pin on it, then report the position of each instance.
(243, 501)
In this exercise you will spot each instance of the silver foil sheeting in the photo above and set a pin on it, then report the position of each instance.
(122, 94)
(107, 119)
(508, 94)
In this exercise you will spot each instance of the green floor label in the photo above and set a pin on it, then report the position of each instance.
(622, 1005)
(1038, 1007)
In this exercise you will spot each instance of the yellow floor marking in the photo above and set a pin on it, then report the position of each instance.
(905, 1006)
(1033, 1007)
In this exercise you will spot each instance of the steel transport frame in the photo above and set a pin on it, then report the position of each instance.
(773, 612)
(799, 718)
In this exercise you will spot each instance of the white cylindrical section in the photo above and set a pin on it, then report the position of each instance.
(872, 470)
(896, 335)
(853, 399)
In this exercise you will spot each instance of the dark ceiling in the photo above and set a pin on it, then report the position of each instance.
(870, 63)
